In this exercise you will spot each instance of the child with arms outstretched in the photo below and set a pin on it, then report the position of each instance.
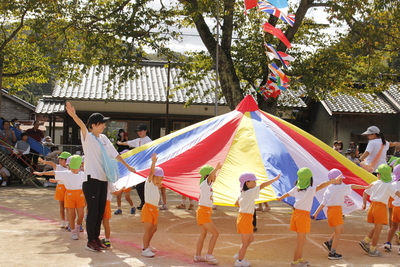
(203, 215)
(334, 200)
(304, 193)
(250, 191)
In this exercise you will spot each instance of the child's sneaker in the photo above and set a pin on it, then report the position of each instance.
(74, 235)
(398, 237)
(304, 262)
(387, 246)
(133, 210)
(152, 249)
(118, 211)
(147, 253)
(210, 259)
(242, 263)
(164, 207)
(298, 264)
(334, 256)
(191, 207)
(364, 245)
(198, 259)
(63, 224)
(327, 246)
(374, 253)
(80, 227)
(105, 242)
(236, 256)
(181, 207)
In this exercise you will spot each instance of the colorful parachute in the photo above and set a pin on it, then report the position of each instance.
(243, 140)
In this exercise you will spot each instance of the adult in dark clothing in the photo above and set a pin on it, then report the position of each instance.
(38, 135)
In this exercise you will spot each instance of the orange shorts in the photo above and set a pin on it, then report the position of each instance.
(390, 205)
(300, 221)
(74, 199)
(244, 223)
(107, 210)
(335, 216)
(60, 192)
(203, 215)
(396, 214)
(127, 190)
(149, 213)
(377, 213)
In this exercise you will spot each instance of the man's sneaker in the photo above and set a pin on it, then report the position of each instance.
(118, 211)
(364, 245)
(210, 259)
(101, 245)
(133, 210)
(327, 246)
(105, 242)
(242, 263)
(198, 259)
(140, 206)
(80, 227)
(387, 246)
(191, 207)
(374, 253)
(147, 253)
(164, 207)
(334, 256)
(92, 246)
(63, 224)
(4, 183)
(181, 207)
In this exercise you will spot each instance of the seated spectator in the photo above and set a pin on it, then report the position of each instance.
(47, 142)
(7, 135)
(78, 150)
(23, 148)
(4, 175)
(53, 157)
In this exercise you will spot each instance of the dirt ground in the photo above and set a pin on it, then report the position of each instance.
(30, 236)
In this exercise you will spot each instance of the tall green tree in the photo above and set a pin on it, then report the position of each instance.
(325, 64)
(63, 38)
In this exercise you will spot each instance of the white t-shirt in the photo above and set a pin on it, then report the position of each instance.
(396, 201)
(206, 194)
(151, 193)
(111, 189)
(373, 147)
(71, 180)
(334, 194)
(139, 141)
(60, 168)
(247, 198)
(304, 198)
(93, 155)
(380, 191)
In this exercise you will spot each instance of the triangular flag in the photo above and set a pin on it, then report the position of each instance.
(250, 3)
(278, 72)
(275, 54)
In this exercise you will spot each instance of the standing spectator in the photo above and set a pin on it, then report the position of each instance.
(38, 135)
(17, 125)
(99, 153)
(4, 175)
(8, 137)
(141, 130)
(122, 137)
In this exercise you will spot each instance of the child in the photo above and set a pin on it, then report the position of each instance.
(150, 208)
(107, 213)
(204, 211)
(334, 199)
(127, 193)
(377, 214)
(60, 189)
(99, 153)
(304, 193)
(74, 198)
(395, 211)
(182, 206)
(249, 193)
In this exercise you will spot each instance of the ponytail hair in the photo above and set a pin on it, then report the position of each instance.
(382, 138)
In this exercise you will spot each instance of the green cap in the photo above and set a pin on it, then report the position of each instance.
(74, 162)
(397, 162)
(64, 155)
(304, 177)
(392, 159)
(204, 171)
(386, 173)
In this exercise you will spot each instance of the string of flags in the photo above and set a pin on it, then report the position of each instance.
(277, 79)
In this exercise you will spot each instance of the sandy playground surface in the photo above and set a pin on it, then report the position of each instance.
(30, 236)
